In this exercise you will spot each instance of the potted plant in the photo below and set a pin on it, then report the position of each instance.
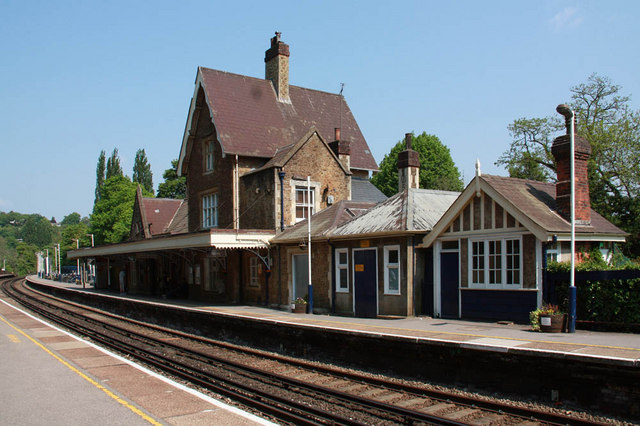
(299, 306)
(548, 319)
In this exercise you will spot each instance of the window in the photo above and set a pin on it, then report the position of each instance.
(513, 261)
(254, 271)
(553, 253)
(342, 270)
(208, 157)
(210, 211)
(496, 263)
(392, 270)
(303, 202)
(477, 256)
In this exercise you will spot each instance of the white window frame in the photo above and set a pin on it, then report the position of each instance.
(254, 271)
(484, 259)
(388, 266)
(553, 252)
(210, 210)
(304, 205)
(209, 150)
(341, 267)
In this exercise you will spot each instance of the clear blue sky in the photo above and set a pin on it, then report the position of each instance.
(81, 76)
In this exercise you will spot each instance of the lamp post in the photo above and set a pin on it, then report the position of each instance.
(570, 117)
(309, 246)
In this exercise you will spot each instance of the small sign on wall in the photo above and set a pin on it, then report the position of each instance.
(364, 243)
(359, 267)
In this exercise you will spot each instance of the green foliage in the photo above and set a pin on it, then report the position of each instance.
(615, 301)
(36, 231)
(174, 186)
(71, 219)
(142, 171)
(546, 309)
(437, 169)
(100, 171)
(606, 120)
(111, 217)
(113, 165)
(71, 234)
(25, 261)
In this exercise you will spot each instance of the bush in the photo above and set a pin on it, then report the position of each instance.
(611, 301)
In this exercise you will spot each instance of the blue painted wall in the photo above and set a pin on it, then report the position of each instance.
(498, 304)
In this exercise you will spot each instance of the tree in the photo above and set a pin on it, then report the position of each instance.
(71, 219)
(174, 186)
(437, 169)
(113, 165)
(100, 170)
(71, 233)
(36, 231)
(605, 119)
(111, 217)
(142, 171)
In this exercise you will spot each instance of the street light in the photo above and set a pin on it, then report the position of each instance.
(570, 118)
(77, 240)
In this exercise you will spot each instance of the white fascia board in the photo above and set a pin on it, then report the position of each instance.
(220, 240)
(589, 237)
(465, 197)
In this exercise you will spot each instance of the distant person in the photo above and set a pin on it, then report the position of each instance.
(122, 282)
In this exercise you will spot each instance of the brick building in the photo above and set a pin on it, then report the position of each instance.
(249, 149)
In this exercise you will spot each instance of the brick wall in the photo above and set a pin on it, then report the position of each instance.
(314, 159)
(561, 150)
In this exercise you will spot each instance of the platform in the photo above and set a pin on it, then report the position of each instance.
(615, 348)
(52, 377)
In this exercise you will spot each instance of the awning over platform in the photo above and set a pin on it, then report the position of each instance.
(222, 239)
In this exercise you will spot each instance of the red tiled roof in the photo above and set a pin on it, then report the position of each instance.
(537, 200)
(159, 212)
(250, 121)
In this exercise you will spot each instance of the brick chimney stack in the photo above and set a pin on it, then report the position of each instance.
(561, 150)
(408, 166)
(342, 149)
(277, 67)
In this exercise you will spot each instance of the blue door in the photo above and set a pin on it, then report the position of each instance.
(365, 283)
(449, 281)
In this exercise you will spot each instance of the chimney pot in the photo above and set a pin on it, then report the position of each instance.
(337, 133)
(407, 140)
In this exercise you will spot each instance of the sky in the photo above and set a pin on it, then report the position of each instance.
(78, 77)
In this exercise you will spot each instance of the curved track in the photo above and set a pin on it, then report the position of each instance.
(286, 389)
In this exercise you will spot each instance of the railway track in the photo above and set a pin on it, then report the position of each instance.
(284, 389)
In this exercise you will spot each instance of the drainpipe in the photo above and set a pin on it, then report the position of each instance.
(236, 197)
(570, 117)
(281, 175)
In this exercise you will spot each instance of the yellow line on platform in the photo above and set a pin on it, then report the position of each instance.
(84, 376)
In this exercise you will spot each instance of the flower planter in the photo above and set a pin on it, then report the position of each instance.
(553, 323)
(299, 308)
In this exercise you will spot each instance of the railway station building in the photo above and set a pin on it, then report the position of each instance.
(259, 155)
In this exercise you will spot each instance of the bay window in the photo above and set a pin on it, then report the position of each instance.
(496, 263)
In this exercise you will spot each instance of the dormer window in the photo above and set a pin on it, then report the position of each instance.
(208, 157)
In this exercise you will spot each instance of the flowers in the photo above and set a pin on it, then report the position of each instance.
(546, 310)
(300, 301)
